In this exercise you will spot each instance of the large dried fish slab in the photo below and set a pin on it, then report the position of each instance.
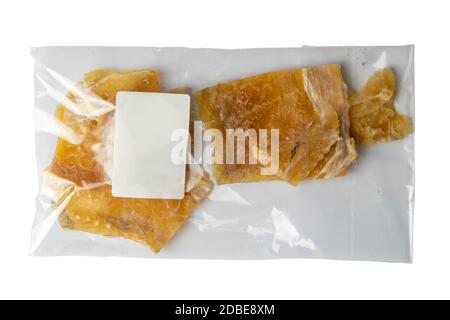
(79, 174)
(309, 107)
(373, 117)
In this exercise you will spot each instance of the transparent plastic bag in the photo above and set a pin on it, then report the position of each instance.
(364, 215)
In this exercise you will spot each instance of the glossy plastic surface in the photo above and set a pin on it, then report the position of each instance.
(365, 215)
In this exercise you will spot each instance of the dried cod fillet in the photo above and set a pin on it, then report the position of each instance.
(82, 168)
(308, 106)
(373, 117)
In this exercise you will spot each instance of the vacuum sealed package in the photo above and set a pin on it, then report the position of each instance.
(225, 154)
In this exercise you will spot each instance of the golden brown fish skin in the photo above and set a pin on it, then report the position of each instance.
(306, 105)
(372, 114)
(91, 206)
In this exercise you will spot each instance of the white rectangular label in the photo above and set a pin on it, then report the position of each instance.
(149, 152)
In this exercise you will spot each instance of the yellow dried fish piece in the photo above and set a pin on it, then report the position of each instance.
(84, 112)
(150, 221)
(373, 118)
(309, 107)
(90, 206)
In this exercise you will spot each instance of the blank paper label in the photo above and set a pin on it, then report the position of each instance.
(146, 138)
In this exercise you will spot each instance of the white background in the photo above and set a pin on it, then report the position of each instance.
(223, 24)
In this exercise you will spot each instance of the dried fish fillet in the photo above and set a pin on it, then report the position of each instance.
(150, 221)
(79, 174)
(309, 107)
(373, 117)
(85, 112)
